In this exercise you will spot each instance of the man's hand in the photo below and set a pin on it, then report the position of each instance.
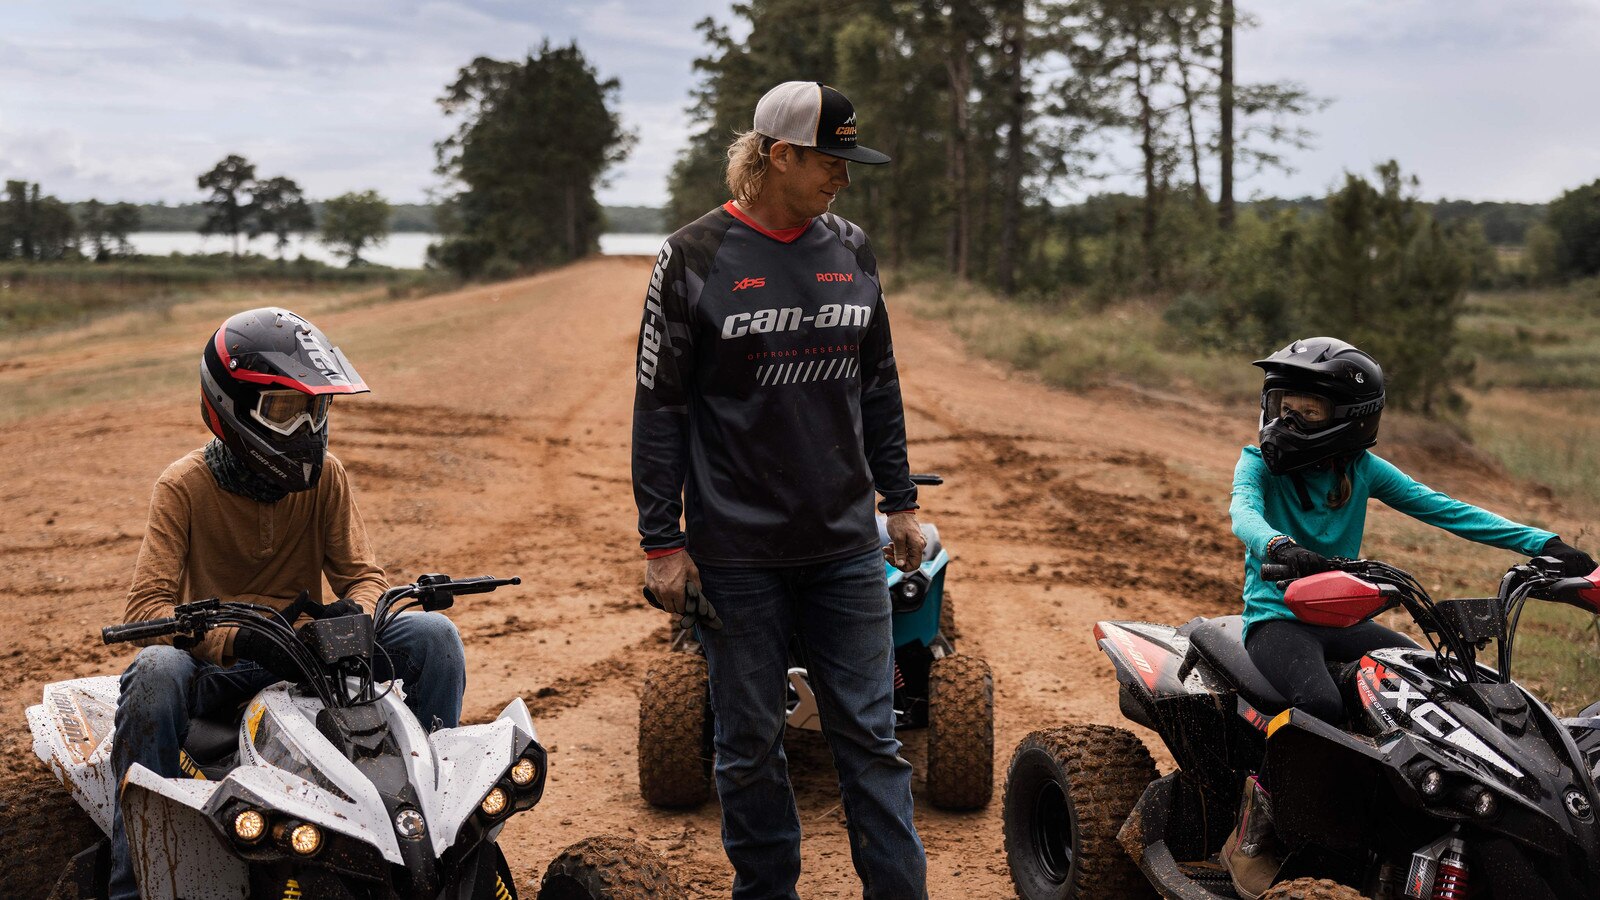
(906, 541)
(666, 576)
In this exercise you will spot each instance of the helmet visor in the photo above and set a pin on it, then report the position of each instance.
(1306, 413)
(286, 411)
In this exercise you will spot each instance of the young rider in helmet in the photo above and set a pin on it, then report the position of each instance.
(260, 514)
(1300, 497)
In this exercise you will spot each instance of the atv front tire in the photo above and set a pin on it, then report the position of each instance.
(960, 733)
(1312, 889)
(675, 732)
(41, 829)
(1067, 795)
(607, 867)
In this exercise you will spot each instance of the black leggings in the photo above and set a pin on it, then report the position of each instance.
(1294, 656)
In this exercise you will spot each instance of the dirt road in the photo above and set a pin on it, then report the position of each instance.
(496, 441)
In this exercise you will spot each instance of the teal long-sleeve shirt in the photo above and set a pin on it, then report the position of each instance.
(1265, 506)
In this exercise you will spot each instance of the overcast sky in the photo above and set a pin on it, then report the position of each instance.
(1482, 99)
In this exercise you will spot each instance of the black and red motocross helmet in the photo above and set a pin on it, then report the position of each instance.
(1337, 397)
(267, 378)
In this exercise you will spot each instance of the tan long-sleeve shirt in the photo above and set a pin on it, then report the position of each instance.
(202, 541)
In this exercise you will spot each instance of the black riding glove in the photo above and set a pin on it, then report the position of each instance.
(1301, 562)
(1574, 562)
(259, 649)
(698, 607)
(338, 608)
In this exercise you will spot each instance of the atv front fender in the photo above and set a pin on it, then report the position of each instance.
(175, 851)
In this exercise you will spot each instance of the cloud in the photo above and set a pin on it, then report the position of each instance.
(103, 98)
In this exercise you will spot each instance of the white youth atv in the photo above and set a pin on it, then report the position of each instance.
(329, 788)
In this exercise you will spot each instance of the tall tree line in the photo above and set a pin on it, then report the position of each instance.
(534, 138)
(37, 226)
(994, 109)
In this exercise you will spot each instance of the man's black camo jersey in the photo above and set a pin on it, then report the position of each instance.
(767, 396)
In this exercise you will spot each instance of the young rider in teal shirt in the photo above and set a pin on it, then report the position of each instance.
(1302, 497)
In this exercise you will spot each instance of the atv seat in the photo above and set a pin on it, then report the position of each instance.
(1221, 642)
(211, 741)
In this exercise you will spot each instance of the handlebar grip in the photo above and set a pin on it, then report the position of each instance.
(138, 631)
(928, 478)
(1276, 572)
(483, 584)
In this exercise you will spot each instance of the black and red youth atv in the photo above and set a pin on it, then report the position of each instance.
(1449, 781)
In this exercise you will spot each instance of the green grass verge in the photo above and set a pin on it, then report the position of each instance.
(41, 296)
(1069, 347)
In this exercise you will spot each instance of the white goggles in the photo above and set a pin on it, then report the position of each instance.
(285, 411)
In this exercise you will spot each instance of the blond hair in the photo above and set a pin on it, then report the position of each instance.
(749, 160)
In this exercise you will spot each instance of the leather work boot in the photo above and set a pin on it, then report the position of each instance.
(1252, 853)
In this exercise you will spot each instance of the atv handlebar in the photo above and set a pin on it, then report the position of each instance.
(483, 584)
(1277, 573)
(927, 478)
(139, 631)
(1459, 627)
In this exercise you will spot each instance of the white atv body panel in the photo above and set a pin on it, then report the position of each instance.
(175, 851)
(285, 766)
(71, 734)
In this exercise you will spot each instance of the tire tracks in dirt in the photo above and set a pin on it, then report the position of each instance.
(497, 442)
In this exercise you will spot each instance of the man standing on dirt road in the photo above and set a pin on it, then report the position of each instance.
(768, 410)
(260, 514)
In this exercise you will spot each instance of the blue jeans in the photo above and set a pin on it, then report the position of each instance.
(165, 687)
(841, 612)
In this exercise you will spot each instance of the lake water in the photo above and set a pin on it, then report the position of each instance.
(403, 250)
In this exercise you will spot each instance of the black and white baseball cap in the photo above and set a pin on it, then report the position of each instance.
(811, 114)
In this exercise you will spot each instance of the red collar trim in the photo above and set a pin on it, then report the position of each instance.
(785, 235)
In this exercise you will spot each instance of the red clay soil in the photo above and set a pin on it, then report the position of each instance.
(497, 442)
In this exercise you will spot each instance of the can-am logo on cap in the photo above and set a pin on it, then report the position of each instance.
(847, 128)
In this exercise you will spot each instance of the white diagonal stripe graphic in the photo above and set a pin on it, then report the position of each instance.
(811, 369)
(832, 364)
(788, 370)
(761, 372)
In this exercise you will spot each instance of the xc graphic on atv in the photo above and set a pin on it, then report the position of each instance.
(327, 788)
(1448, 778)
(948, 693)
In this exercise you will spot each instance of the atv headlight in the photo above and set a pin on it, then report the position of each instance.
(249, 825)
(495, 803)
(305, 839)
(1431, 782)
(523, 773)
(1482, 803)
(909, 594)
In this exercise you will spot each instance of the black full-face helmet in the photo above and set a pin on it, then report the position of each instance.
(1320, 402)
(267, 378)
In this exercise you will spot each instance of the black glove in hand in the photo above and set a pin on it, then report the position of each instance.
(698, 608)
(338, 608)
(259, 649)
(1574, 562)
(1301, 562)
